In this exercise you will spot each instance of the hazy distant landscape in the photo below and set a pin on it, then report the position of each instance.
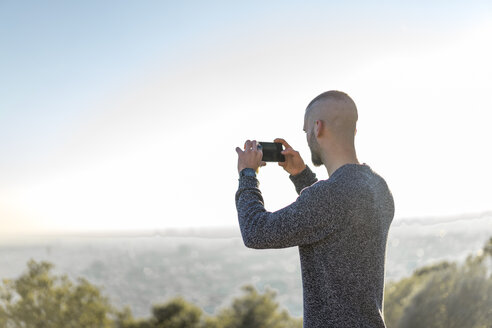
(208, 267)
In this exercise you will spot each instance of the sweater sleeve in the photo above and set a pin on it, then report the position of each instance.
(300, 223)
(304, 179)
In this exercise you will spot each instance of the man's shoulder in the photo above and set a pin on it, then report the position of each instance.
(347, 177)
(322, 188)
(356, 178)
(355, 172)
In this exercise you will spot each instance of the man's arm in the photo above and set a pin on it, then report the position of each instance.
(304, 179)
(315, 214)
(299, 173)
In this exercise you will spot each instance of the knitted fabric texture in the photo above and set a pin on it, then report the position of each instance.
(341, 227)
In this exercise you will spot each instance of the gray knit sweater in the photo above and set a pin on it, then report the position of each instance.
(341, 226)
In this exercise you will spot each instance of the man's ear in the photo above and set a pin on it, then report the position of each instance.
(318, 128)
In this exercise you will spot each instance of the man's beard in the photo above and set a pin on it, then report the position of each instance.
(316, 158)
(315, 153)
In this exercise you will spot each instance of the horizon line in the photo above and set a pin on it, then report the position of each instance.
(226, 231)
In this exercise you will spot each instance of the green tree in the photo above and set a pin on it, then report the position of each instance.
(124, 319)
(256, 310)
(176, 313)
(251, 310)
(41, 300)
(443, 295)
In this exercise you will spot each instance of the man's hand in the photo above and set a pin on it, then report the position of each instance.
(293, 162)
(250, 157)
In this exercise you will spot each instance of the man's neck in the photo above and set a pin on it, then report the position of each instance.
(339, 161)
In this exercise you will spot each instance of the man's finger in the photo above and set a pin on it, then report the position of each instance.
(247, 144)
(283, 142)
(253, 144)
(238, 150)
(289, 152)
(262, 163)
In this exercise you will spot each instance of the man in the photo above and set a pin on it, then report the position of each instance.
(340, 224)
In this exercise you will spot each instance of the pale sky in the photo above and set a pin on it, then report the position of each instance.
(123, 115)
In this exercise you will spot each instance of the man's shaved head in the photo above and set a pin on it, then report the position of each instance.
(334, 95)
(338, 114)
(337, 111)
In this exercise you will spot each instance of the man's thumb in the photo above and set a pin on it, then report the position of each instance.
(238, 150)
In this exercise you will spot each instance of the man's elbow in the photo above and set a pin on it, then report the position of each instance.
(248, 242)
(252, 242)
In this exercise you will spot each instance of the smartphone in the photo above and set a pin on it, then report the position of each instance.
(271, 151)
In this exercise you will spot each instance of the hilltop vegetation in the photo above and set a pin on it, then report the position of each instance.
(43, 300)
(441, 295)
